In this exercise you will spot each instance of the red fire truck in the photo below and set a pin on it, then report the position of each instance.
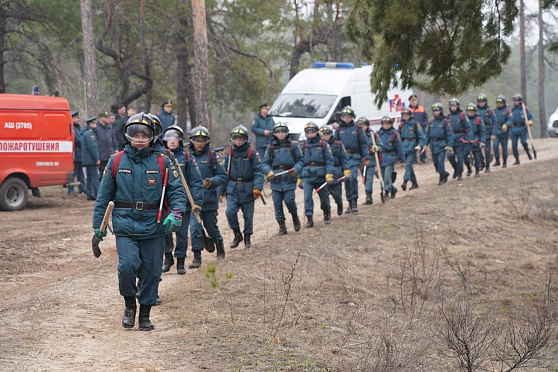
(36, 147)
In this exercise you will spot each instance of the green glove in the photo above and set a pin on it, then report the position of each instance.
(173, 222)
(100, 234)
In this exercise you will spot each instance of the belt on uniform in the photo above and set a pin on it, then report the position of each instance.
(140, 206)
(348, 151)
(409, 140)
(242, 180)
(436, 139)
(316, 164)
(283, 167)
(518, 125)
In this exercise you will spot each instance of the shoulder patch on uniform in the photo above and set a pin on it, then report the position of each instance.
(253, 122)
(93, 138)
(151, 181)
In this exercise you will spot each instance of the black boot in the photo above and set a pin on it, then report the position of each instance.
(282, 228)
(469, 171)
(144, 322)
(477, 173)
(247, 241)
(237, 238)
(309, 222)
(404, 185)
(340, 209)
(220, 250)
(393, 192)
(440, 180)
(296, 222)
(414, 186)
(497, 162)
(169, 261)
(349, 207)
(516, 161)
(327, 217)
(354, 205)
(487, 170)
(369, 198)
(459, 177)
(454, 174)
(129, 317)
(180, 269)
(446, 176)
(505, 163)
(197, 262)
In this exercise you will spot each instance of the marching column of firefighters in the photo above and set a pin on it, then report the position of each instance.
(159, 185)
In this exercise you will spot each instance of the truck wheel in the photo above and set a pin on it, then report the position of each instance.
(13, 194)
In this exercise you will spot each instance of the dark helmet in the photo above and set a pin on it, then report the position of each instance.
(200, 132)
(140, 123)
(363, 120)
(168, 102)
(173, 133)
(482, 98)
(501, 99)
(517, 97)
(157, 125)
(348, 110)
(280, 126)
(406, 111)
(437, 107)
(326, 130)
(471, 107)
(454, 102)
(311, 126)
(387, 119)
(239, 132)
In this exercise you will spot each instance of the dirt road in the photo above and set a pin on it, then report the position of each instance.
(61, 309)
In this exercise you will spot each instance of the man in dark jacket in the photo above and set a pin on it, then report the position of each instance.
(78, 171)
(420, 116)
(105, 139)
(262, 127)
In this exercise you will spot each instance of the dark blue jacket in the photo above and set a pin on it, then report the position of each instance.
(392, 147)
(138, 179)
(517, 118)
(354, 140)
(89, 147)
(107, 145)
(167, 120)
(192, 174)
(245, 173)
(281, 156)
(209, 168)
(259, 125)
(501, 117)
(461, 127)
(340, 158)
(318, 160)
(420, 116)
(77, 142)
(412, 135)
(487, 117)
(370, 144)
(439, 134)
(479, 130)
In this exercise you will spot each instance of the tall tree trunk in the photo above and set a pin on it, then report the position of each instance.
(542, 98)
(522, 49)
(3, 20)
(184, 88)
(90, 59)
(201, 64)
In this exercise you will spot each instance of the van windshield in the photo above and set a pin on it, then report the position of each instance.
(299, 105)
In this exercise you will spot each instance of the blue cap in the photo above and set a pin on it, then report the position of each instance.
(75, 113)
(89, 120)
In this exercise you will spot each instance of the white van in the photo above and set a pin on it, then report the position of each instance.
(318, 93)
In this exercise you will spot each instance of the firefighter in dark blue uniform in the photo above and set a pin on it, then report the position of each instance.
(478, 143)
(340, 166)
(486, 114)
(461, 139)
(500, 131)
(262, 127)
(78, 168)
(281, 155)
(392, 150)
(90, 158)
(413, 140)
(244, 185)
(173, 140)
(318, 168)
(213, 176)
(368, 177)
(166, 116)
(357, 148)
(137, 189)
(439, 136)
(518, 124)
